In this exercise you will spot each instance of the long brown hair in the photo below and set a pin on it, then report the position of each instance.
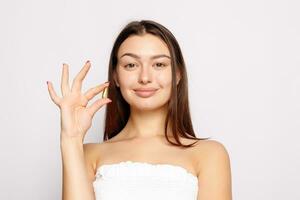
(118, 111)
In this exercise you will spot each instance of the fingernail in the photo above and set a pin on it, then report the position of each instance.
(47, 82)
(87, 62)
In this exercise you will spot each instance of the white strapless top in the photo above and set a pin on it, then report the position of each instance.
(131, 180)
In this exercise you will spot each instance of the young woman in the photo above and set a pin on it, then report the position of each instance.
(149, 148)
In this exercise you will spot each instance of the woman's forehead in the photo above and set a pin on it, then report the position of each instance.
(146, 46)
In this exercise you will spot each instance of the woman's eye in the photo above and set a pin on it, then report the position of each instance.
(130, 64)
(160, 64)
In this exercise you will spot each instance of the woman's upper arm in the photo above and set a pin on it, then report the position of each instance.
(215, 173)
(90, 159)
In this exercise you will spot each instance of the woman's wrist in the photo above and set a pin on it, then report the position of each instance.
(66, 139)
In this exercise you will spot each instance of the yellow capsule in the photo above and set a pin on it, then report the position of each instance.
(104, 93)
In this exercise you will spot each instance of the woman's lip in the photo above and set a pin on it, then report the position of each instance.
(145, 93)
(146, 90)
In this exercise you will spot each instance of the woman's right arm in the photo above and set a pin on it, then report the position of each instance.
(76, 181)
(76, 119)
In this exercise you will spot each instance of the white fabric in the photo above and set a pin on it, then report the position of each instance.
(130, 180)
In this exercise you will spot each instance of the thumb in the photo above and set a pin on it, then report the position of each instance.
(97, 105)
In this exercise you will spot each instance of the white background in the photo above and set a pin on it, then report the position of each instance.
(242, 57)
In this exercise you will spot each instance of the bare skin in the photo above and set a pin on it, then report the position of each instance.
(207, 160)
(76, 119)
(142, 139)
(141, 150)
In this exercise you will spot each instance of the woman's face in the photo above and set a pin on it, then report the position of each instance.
(144, 64)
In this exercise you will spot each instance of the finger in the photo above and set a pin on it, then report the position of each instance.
(77, 82)
(92, 109)
(53, 94)
(65, 88)
(96, 90)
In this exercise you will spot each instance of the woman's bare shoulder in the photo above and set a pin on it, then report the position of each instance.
(206, 151)
(205, 146)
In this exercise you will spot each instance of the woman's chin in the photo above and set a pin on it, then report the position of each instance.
(147, 106)
(144, 107)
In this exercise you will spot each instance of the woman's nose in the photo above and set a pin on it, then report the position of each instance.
(145, 75)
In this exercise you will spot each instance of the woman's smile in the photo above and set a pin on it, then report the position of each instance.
(145, 93)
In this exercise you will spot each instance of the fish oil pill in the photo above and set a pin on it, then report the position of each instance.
(104, 93)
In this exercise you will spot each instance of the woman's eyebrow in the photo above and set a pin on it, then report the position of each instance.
(152, 57)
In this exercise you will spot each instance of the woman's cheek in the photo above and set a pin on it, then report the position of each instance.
(164, 80)
(126, 79)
